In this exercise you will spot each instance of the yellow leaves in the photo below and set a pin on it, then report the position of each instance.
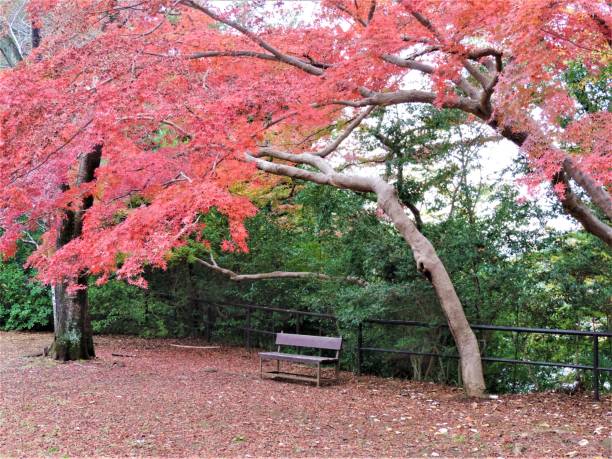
(266, 190)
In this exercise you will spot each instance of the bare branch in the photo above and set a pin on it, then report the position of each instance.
(29, 239)
(181, 177)
(288, 171)
(164, 121)
(17, 176)
(409, 96)
(353, 16)
(350, 128)
(599, 196)
(577, 209)
(482, 79)
(302, 158)
(355, 183)
(408, 63)
(276, 274)
(371, 11)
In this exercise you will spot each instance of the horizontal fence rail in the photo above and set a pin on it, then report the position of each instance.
(595, 367)
(248, 330)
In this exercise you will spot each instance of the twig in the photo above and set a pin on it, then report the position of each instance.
(195, 347)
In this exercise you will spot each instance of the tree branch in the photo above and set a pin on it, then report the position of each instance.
(597, 193)
(276, 274)
(350, 128)
(349, 13)
(408, 63)
(577, 209)
(306, 67)
(255, 54)
(409, 96)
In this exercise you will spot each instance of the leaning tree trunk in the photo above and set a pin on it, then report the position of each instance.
(426, 258)
(73, 338)
(432, 267)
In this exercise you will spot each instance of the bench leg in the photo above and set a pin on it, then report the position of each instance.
(318, 375)
(278, 366)
(336, 372)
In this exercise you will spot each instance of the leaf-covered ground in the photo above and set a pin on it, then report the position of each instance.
(170, 401)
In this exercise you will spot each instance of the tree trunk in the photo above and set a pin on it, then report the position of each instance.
(73, 338)
(432, 267)
(73, 333)
(426, 258)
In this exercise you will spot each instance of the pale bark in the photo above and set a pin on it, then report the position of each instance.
(277, 274)
(426, 258)
(431, 266)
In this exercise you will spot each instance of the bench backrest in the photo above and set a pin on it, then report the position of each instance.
(315, 342)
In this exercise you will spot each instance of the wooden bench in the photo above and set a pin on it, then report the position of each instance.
(302, 341)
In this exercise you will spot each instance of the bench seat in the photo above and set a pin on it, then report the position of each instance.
(296, 358)
(322, 343)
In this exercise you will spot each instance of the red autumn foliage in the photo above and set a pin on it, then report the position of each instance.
(221, 83)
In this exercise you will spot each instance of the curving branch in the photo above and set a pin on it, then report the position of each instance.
(597, 193)
(279, 55)
(276, 274)
(349, 129)
(575, 207)
(410, 96)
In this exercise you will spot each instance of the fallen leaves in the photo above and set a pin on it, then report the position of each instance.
(192, 402)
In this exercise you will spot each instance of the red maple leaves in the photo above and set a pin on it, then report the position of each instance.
(176, 99)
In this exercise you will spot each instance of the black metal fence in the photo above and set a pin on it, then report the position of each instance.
(360, 349)
(249, 330)
(595, 368)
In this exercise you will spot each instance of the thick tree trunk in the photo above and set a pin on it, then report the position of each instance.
(432, 267)
(73, 338)
(73, 334)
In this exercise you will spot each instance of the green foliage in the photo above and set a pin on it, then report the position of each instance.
(24, 303)
(507, 265)
(591, 91)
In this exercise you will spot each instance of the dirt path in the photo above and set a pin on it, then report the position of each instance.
(168, 401)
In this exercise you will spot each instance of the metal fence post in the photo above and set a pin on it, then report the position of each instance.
(596, 365)
(359, 346)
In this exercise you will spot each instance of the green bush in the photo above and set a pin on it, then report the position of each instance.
(24, 303)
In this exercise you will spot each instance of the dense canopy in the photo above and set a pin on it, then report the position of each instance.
(177, 93)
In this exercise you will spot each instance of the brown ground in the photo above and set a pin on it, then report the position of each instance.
(168, 401)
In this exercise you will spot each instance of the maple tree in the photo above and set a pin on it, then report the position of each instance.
(186, 101)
